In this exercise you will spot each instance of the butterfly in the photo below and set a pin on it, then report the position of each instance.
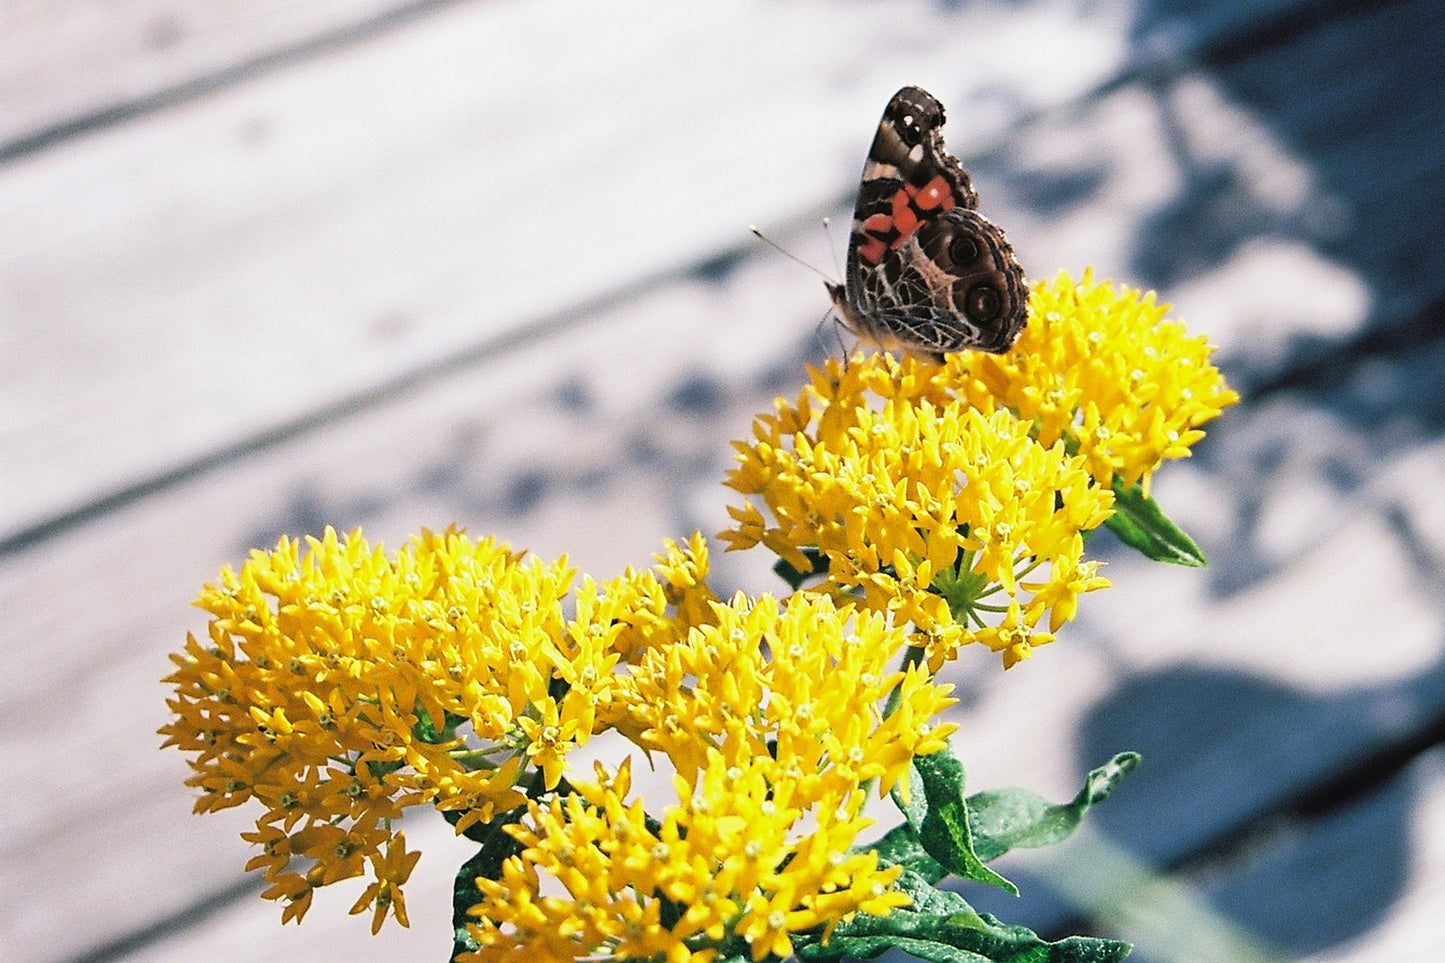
(927, 273)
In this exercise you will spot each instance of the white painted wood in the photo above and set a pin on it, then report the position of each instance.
(65, 60)
(193, 277)
(452, 453)
(1412, 928)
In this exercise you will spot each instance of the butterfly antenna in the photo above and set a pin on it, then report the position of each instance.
(834, 324)
(787, 254)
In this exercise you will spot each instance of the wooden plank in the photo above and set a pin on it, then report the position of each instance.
(1374, 134)
(265, 229)
(198, 276)
(69, 64)
(1406, 923)
(1272, 699)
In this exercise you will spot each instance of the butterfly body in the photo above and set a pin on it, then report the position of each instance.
(927, 273)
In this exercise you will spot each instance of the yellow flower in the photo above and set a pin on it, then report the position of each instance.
(295, 889)
(730, 854)
(662, 604)
(1103, 368)
(803, 682)
(1068, 579)
(953, 496)
(339, 683)
(390, 872)
(772, 716)
(683, 572)
(1014, 638)
(924, 505)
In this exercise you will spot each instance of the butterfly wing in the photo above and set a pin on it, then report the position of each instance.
(926, 272)
(907, 179)
(953, 284)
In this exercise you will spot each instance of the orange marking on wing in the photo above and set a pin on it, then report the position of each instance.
(904, 220)
(877, 224)
(936, 193)
(872, 250)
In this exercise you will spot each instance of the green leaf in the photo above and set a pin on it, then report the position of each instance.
(497, 847)
(938, 813)
(1004, 819)
(931, 900)
(942, 926)
(795, 578)
(426, 730)
(901, 845)
(1140, 523)
(945, 942)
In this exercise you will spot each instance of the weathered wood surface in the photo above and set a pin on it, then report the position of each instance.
(272, 267)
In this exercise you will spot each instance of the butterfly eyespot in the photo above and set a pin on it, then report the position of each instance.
(963, 250)
(983, 302)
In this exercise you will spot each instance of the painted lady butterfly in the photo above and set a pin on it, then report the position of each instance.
(927, 273)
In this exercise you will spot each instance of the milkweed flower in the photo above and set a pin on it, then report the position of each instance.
(801, 679)
(771, 718)
(1103, 368)
(342, 685)
(955, 496)
(920, 504)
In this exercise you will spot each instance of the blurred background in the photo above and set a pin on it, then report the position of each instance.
(267, 266)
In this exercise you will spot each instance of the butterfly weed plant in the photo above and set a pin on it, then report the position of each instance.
(914, 506)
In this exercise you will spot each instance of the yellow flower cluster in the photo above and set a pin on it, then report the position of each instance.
(793, 682)
(936, 505)
(955, 495)
(1101, 367)
(773, 745)
(343, 685)
(925, 506)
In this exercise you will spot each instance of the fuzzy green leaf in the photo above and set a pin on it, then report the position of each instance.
(497, 846)
(1141, 524)
(931, 900)
(1003, 819)
(901, 845)
(938, 814)
(941, 926)
(795, 578)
